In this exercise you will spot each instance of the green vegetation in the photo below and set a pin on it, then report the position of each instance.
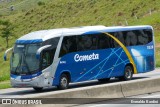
(16, 6)
(6, 30)
(5, 84)
(32, 15)
(8, 3)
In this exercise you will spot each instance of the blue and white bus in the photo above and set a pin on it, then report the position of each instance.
(58, 57)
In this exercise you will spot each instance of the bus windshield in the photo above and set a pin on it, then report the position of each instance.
(23, 60)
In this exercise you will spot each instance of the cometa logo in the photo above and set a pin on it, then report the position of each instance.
(92, 56)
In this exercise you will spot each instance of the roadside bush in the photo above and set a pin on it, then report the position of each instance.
(40, 3)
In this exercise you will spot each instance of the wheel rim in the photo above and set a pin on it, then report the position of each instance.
(128, 73)
(64, 82)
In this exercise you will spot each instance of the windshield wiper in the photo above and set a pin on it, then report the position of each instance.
(26, 64)
(18, 65)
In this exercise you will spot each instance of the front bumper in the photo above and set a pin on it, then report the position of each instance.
(39, 81)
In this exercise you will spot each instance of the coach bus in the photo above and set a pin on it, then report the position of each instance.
(61, 56)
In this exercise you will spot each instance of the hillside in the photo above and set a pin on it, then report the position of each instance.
(49, 14)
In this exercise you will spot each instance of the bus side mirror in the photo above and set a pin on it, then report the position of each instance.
(40, 50)
(6, 52)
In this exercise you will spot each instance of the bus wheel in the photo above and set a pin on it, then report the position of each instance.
(64, 82)
(38, 88)
(104, 80)
(128, 74)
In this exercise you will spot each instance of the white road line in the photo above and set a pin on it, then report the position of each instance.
(152, 96)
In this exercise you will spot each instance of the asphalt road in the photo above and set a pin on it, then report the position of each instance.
(26, 92)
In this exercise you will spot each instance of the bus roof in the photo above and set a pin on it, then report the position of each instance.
(42, 35)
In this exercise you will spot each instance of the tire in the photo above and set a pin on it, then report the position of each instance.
(104, 80)
(63, 82)
(38, 89)
(128, 74)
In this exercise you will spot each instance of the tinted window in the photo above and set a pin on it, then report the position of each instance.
(87, 42)
(149, 34)
(47, 58)
(48, 54)
(105, 41)
(143, 37)
(120, 36)
(69, 45)
(94, 41)
(53, 42)
(133, 37)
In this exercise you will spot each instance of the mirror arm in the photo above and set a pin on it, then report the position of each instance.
(6, 52)
(40, 50)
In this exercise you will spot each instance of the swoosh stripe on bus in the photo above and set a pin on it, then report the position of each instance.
(125, 50)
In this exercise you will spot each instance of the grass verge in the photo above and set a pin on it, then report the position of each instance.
(5, 84)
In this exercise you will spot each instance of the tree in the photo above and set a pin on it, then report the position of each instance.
(6, 30)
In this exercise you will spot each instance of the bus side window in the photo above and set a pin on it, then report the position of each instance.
(84, 42)
(68, 45)
(80, 46)
(48, 54)
(149, 34)
(131, 38)
(87, 42)
(142, 37)
(103, 41)
(94, 42)
(73, 44)
(120, 37)
(46, 60)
